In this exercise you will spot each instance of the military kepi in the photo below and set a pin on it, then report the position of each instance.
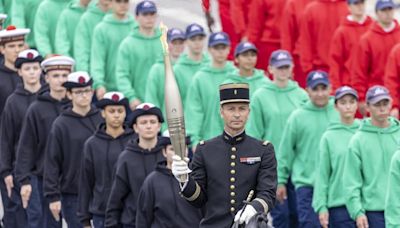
(234, 93)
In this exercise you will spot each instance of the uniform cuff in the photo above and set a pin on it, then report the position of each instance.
(260, 205)
(191, 191)
(53, 198)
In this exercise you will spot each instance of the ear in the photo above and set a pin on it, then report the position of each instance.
(103, 113)
(135, 128)
(164, 151)
(2, 49)
(69, 94)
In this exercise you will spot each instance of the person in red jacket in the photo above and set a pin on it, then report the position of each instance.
(226, 21)
(239, 12)
(290, 32)
(264, 28)
(391, 79)
(368, 64)
(319, 22)
(343, 42)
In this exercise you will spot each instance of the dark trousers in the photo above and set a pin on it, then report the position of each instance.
(37, 197)
(14, 213)
(339, 218)
(98, 221)
(376, 219)
(284, 215)
(307, 217)
(69, 209)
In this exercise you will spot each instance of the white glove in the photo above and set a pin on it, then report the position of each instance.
(180, 169)
(248, 212)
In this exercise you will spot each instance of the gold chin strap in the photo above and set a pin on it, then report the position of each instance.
(163, 38)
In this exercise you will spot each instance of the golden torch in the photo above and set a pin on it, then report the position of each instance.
(173, 102)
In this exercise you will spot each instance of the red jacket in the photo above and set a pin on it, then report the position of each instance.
(239, 11)
(368, 64)
(392, 74)
(265, 20)
(290, 26)
(320, 20)
(344, 40)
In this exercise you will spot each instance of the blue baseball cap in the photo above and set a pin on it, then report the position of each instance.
(146, 7)
(377, 93)
(194, 30)
(243, 47)
(218, 38)
(280, 58)
(383, 4)
(354, 1)
(345, 90)
(318, 77)
(175, 34)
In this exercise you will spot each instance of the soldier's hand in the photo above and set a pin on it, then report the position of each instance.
(248, 212)
(55, 208)
(9, 181)
(281, 193)
(324, 219)
(134, 103)
(210, 21)
(362, 222)
(25, 192)
(100, 93)
(180, 169)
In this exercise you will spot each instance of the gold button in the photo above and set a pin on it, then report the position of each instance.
(233, 194)
(233, 201)
(232, 179)
(233, 149)
(232, 209)
(233, 164)
(233, 171)
(233, 157)
(232, 187)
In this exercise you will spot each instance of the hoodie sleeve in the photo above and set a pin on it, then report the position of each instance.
(353, 180)
(145, 205)
(392, 208)
(286, 152)
(336, 59)
(361, 64)
(306, 42)
(123, 71)
(238, 16)
(62, 42)
(256, 126)
(18, 14)
(194, 112)
(289, 29)
(82, 46)
(52, 167)
(41, 29)
(7, 138)
(321, 186)
(153, 86)
(119, 190)
(392, 73)
(98, 57)
(256, 20)
(86, 185)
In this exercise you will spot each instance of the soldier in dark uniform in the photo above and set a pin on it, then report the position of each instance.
(227, 168)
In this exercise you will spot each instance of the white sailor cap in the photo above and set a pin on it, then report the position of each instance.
(113, 98)
(12, 33)
(28, 56)
(78, 79)
(58, 62)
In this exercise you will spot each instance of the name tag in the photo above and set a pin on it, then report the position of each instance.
(250, 160)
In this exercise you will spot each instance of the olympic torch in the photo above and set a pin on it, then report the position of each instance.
(173, 102)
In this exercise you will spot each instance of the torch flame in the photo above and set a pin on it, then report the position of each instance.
(163, 38)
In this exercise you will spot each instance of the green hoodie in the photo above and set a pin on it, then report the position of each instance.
(136, 55)
(45, 26)
(298, 149)
(392, 208)
(185, 69)
(367, 166)
(107, 37)
(6, 7)
(255, 81)
(269, 116)
(328, 188)
(83, 36)
(23, 16)
(66, 27)
(202, 114)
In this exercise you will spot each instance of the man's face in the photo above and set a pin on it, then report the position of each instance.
(30, 73)
(120, 7)
(10, 50)
(247, 60)
(105, 3)
(357, 9)
(380, 111)
(114, 115)
(319, 95)
(385, 16)
(347, 106)
(283, 73)
(56, 78)
(235, 115)
(147, 126)
(196, 44)
(219, 53)
(81, 97)
(176, 47)
(146, 20)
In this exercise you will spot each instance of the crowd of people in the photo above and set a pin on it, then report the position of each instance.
(292, 110)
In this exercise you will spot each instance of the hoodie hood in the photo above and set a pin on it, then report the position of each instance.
(45, 96)
(257, 75)
(133, 146)
(135, 33)
(95, 9)
(162, 168)
(292, 85)
(93, 111)
(367, 126)
(75, 6)
(310, 106)
(20, 90)
(376, 28)
(349, 23)
(340, 126)
(211, 70)
(110, 19)
(101, 133)
(185, 60)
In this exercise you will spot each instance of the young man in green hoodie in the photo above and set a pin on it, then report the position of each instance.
(84, 33)
(392, 212)
(367, 163)
(156, 82)
(191, 62)
(329, 197)
(137, 53)
(268, 118)
(66, 26)
(23, 15)
(107, 37)
(201, 111)
(298, 149)
(45, 26)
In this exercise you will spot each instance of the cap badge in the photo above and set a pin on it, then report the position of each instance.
(317, 76)
(175, 31)
(81, 80)
(235, 92)
(146, 107)
(147, 4)
(115, 97)
(219, 36)
(11, 27)
(29, 55)
(281, 56)
(195, 28)
(379, 91)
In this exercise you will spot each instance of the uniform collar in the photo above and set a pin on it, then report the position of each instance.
(233, 140)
